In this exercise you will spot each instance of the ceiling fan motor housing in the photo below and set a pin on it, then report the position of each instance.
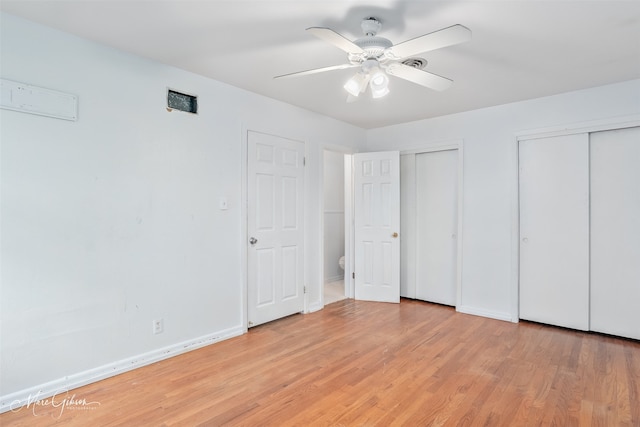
(370, 26)
(372, 45)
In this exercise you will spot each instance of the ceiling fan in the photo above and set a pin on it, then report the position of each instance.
(376, 57)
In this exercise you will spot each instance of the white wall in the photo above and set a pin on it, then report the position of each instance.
(333, 214)
(113, 221)
(489, 158)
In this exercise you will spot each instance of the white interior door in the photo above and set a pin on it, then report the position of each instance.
(554, 230)
(275, 193)
(436, 226)
(377, 226)
(615, 232)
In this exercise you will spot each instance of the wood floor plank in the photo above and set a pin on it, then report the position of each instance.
(374, 364)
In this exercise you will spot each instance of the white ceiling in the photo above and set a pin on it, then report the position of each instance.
(521, 49)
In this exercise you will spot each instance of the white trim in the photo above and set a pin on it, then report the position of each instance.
(442, 146)
(322, 237)
(306, 190)
(514, 289)
(611, 123)
(20, 398)
(349, 233)
(484, 313)
(460, 217)
(581, 127)
(316, 306)
(244, 255)
(336, 149)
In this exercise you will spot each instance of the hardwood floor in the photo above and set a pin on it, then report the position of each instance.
(364, 364)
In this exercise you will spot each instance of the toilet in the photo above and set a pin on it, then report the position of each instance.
(341, 262)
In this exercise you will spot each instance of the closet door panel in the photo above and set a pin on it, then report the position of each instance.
(554, 230)
(615, 232)
(408, 225)
(436, 226)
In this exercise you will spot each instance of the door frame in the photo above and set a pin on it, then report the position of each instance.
(457, 144)
(612, 123)
(348, 226)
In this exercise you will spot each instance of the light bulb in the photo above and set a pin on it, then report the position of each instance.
(379, 84)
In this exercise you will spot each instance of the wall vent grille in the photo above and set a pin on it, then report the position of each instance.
(182, 101)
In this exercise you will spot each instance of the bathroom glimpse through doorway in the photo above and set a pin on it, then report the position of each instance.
(334, 288)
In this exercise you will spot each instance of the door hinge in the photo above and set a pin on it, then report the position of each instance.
(304, 161)
(304, 289)
(353, 275)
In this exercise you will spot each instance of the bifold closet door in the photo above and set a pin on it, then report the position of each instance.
(436, 226)
(429, 221)
(554, 230)
(408, 226)
(615, 232)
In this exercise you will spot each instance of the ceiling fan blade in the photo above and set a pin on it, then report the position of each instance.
(432, 41)
(335, 39)
(415, 75)
(317, 70)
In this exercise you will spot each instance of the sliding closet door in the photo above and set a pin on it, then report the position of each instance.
(615, 232)
(408, 225)
(436, 226)
(554, 230)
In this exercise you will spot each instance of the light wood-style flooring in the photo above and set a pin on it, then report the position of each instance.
(374, 364)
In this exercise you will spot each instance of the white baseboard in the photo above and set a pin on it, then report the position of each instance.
(315, 306)
(31, 395)
(484, 313)
(333, 279)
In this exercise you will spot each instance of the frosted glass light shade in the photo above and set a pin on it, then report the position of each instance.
(379, 85)
(356, 84)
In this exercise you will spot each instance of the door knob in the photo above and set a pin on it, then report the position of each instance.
(394, 235)
(253, 240)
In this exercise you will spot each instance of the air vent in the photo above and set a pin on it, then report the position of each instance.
(182, 101)
(418, 63)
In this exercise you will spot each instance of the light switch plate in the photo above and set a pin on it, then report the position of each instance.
(223, 205)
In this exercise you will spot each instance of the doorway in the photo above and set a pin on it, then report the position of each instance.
(335, 256)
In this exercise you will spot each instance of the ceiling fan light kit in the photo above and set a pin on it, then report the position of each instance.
(377, 56)
(379, 85)
(357, 84)
(370, 74)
